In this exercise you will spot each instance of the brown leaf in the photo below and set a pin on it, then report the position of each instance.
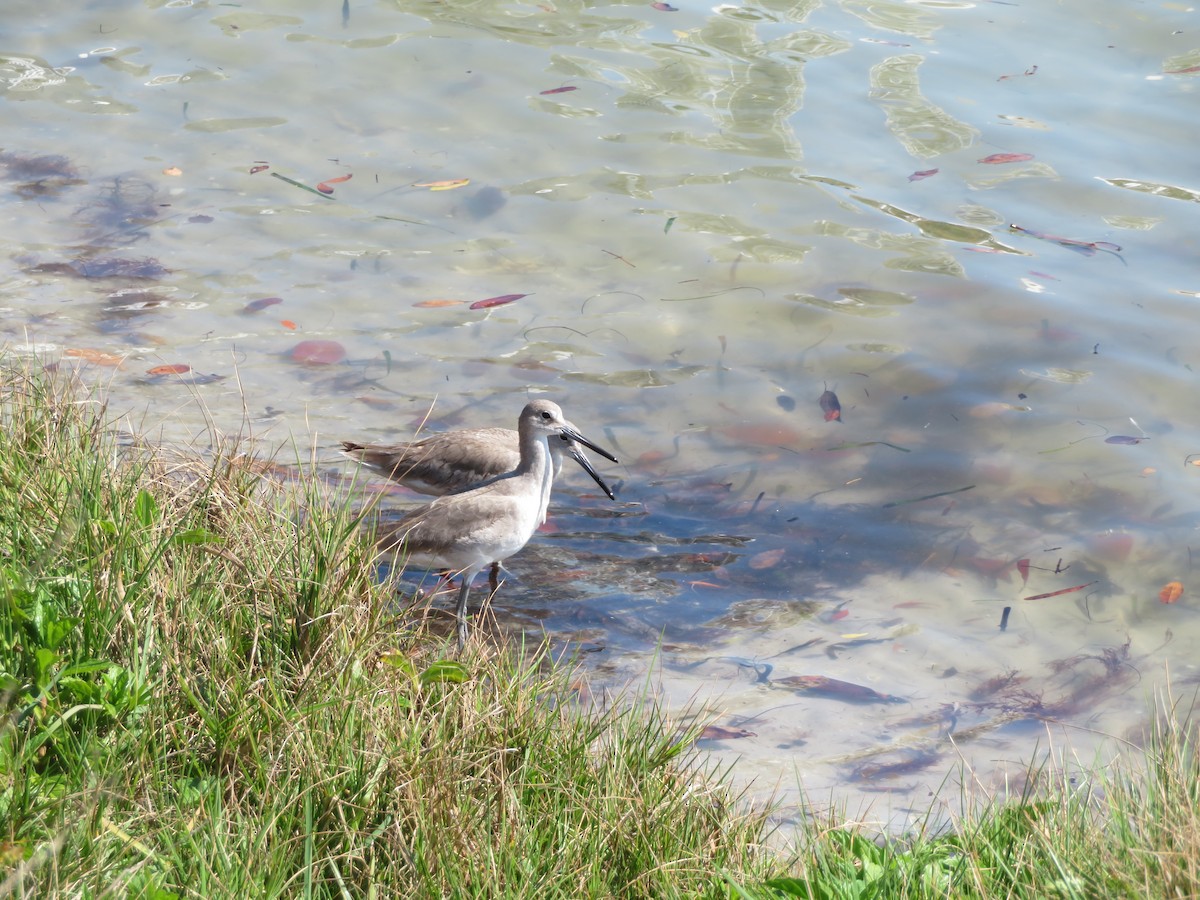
(99, 357)
(721, 733)
(767, 558)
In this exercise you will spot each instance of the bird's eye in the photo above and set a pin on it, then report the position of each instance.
(546, 415)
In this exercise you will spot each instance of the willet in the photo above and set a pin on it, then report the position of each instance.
(466, 531)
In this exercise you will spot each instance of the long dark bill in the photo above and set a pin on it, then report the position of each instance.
(573, 435)
(580, 457)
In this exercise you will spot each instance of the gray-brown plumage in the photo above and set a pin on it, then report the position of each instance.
(454, 460)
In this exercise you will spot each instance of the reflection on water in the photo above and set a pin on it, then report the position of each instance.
(733, 215)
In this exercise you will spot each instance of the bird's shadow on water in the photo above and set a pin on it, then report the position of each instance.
(639, 574)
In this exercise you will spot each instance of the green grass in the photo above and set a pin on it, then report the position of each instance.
(205, 693)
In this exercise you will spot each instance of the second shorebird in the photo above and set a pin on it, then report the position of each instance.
(454, 460)
(466, 531)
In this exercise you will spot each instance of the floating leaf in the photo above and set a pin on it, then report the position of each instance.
(664, 7)
(850, 445)
(444, 185)
(1124, 439)
(969, 487)
(1171, 591)
(1023, 568)
(559, 90)
(823, 686)
(317, 353)
(262, 303)
(199, 220)
(324, 186)
(670, 222)
(1070, 590)
(496, 301)
(254, 170)
(99, 357)
(1000, 158)
(831, 406)
(721, 733)
(1030, 71)
(173, 369)
(437, 304)
(924, 173)
(767, 558)
(173, 171)
(288, 324)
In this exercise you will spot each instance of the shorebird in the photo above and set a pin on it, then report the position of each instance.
(467, 531)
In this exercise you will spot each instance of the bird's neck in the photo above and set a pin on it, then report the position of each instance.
(537, 466)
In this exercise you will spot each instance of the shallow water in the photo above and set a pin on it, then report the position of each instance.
(736, 209)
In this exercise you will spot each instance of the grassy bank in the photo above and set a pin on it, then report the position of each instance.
(206, 694)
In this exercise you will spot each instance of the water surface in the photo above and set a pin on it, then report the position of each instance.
(733, 210)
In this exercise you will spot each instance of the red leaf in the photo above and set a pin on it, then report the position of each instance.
(1070, 590)
(831, 406)
(997, 158)
(175, 369)
(262, 303)
(324, 186)
(1023, 568)
(917, 176)
(317, 353)
(496, 301)
(1171, 591)
(665, 7)
(558, 90)
(254, 170)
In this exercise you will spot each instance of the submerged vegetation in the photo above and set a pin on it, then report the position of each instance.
(206, 693)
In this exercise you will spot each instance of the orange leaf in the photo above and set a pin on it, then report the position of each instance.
(99, 357)
(766, 559)
(288, 324)
(324, 186)
(437, 304)
(174, 171)
(173, 369)
(444, 185)
(1171, 591)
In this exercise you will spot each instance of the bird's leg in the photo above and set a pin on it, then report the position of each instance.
(494, 577)
(460, 611)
